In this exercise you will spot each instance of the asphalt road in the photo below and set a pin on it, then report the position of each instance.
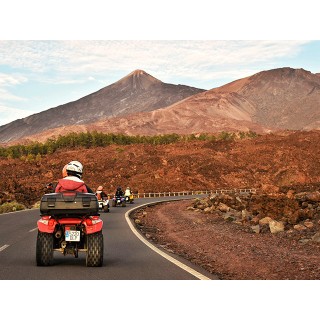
(126, 256)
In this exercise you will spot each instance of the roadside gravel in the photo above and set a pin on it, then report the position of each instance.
(226, 249)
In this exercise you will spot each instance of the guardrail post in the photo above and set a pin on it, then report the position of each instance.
(183, 193)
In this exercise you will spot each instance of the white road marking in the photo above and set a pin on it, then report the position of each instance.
(4, 247)
(34, 229)
(166, 256)
(2, 214)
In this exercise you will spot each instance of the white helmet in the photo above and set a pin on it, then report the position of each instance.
(75, 167)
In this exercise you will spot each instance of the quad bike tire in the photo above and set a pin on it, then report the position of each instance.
(44, 249)
(123, 204)
(114, 204)
(94, 257)
(106, 209)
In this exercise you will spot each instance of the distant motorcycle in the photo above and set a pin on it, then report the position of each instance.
(129, 198)
(119, 201)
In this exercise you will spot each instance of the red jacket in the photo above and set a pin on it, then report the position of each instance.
(70, 185)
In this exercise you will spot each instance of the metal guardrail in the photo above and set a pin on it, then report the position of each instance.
(189, 193)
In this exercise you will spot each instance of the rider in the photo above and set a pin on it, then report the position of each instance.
(128, 192)
(72, 181)
(119, 192)
(100, 194)
(50, 187)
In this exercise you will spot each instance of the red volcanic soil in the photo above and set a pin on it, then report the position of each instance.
(230, 249)
(269, 162)
(279, 165)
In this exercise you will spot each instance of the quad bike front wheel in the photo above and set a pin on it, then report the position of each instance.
(44, 249)
(94, 257)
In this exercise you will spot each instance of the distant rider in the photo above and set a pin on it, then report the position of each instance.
(128, 192)
(100, 194)
(51, 187)
(119, 192)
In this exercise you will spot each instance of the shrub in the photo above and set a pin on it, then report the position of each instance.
(35, 150)
(11, 206)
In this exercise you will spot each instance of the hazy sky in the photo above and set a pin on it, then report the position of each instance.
(44, 72)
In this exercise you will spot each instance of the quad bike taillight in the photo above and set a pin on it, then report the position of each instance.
(92, 220)
(46, 220)
(89, 222)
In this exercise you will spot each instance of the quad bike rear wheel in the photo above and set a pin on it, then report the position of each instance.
(44, 249)
(94, 257)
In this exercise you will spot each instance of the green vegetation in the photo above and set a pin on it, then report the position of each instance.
(32, 152)
(11, 206)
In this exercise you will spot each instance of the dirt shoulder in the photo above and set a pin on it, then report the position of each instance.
(228, 249)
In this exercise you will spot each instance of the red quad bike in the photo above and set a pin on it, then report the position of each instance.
(70, 224)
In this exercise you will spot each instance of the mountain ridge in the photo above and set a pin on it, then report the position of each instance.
(270, 100)
(136, 92)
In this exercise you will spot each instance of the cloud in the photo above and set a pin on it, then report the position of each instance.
(54, 69)
(11, 79)
(6, 82)
(5, 95)
(66, 60)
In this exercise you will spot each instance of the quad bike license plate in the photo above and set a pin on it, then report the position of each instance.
(72, 235)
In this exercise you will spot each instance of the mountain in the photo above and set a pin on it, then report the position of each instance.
(285, 98)
(137, 92)
(277, 99)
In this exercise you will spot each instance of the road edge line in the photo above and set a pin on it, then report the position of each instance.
(163, 254)
(4, 247)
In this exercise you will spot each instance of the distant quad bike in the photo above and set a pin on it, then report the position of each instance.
(129, 198)
(104, 205)
(69, 224)
(119, 201)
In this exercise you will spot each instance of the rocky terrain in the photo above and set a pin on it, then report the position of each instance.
(269, 162)
(273, 234)
(241, 237)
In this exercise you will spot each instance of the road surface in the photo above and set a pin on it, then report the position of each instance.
(126, 255)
